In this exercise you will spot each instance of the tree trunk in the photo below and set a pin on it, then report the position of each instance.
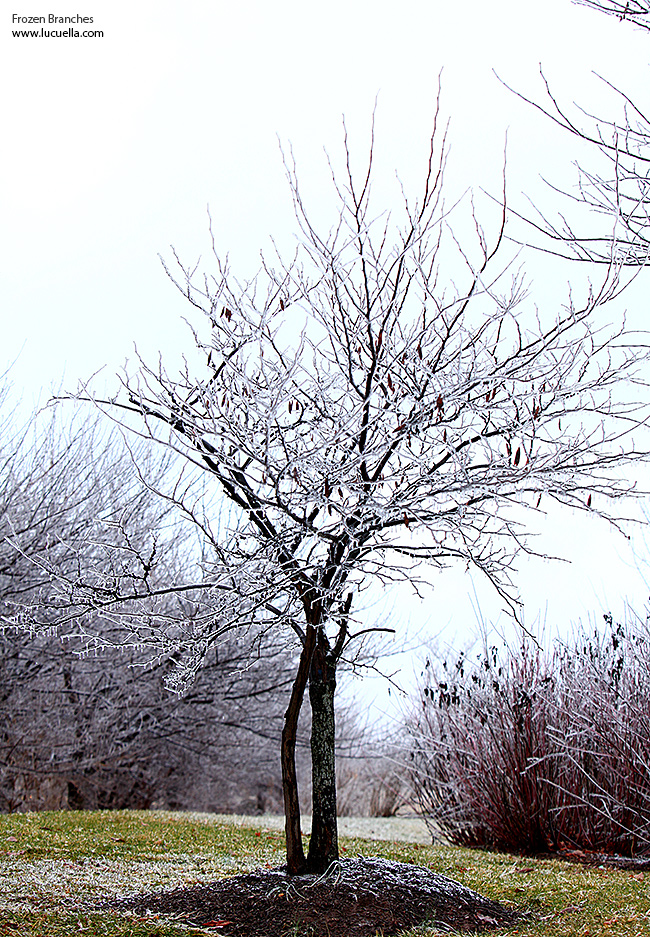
(323, 843)
(296, 862)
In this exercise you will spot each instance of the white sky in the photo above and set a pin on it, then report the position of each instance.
(114, 147)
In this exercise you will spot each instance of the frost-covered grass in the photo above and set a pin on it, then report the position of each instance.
(55, 867)
(53, 863)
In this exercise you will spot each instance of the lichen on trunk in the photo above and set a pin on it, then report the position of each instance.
(323, 843)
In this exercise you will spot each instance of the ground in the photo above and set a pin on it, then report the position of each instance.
(358, 897)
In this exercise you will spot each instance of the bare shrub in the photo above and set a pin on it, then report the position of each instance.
(600, 734)
(530, 750)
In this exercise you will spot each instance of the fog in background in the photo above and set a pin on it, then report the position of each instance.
(114, 148)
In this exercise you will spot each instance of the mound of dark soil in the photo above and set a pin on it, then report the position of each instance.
(355, 898)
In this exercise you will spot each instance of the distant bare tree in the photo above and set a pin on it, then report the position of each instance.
(101, 729)
(611, 220)
(611, 202)
(377, 408)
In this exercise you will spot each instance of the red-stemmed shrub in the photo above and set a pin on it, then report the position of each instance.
(535, 750)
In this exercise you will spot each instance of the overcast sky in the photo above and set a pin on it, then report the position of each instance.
(114, 146)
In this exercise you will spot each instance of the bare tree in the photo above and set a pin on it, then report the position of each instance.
(611, 201)
(377, 408)
(59, 715)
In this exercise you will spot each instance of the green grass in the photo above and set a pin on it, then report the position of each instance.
(50, 863)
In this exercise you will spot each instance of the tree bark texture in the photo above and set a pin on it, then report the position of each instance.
(323, 843)
(296, 862)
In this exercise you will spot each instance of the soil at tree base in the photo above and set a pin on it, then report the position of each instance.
(355, 898)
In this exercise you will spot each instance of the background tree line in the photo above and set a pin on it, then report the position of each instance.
(101, 729)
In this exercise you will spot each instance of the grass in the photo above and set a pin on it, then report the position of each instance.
(51, 864)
